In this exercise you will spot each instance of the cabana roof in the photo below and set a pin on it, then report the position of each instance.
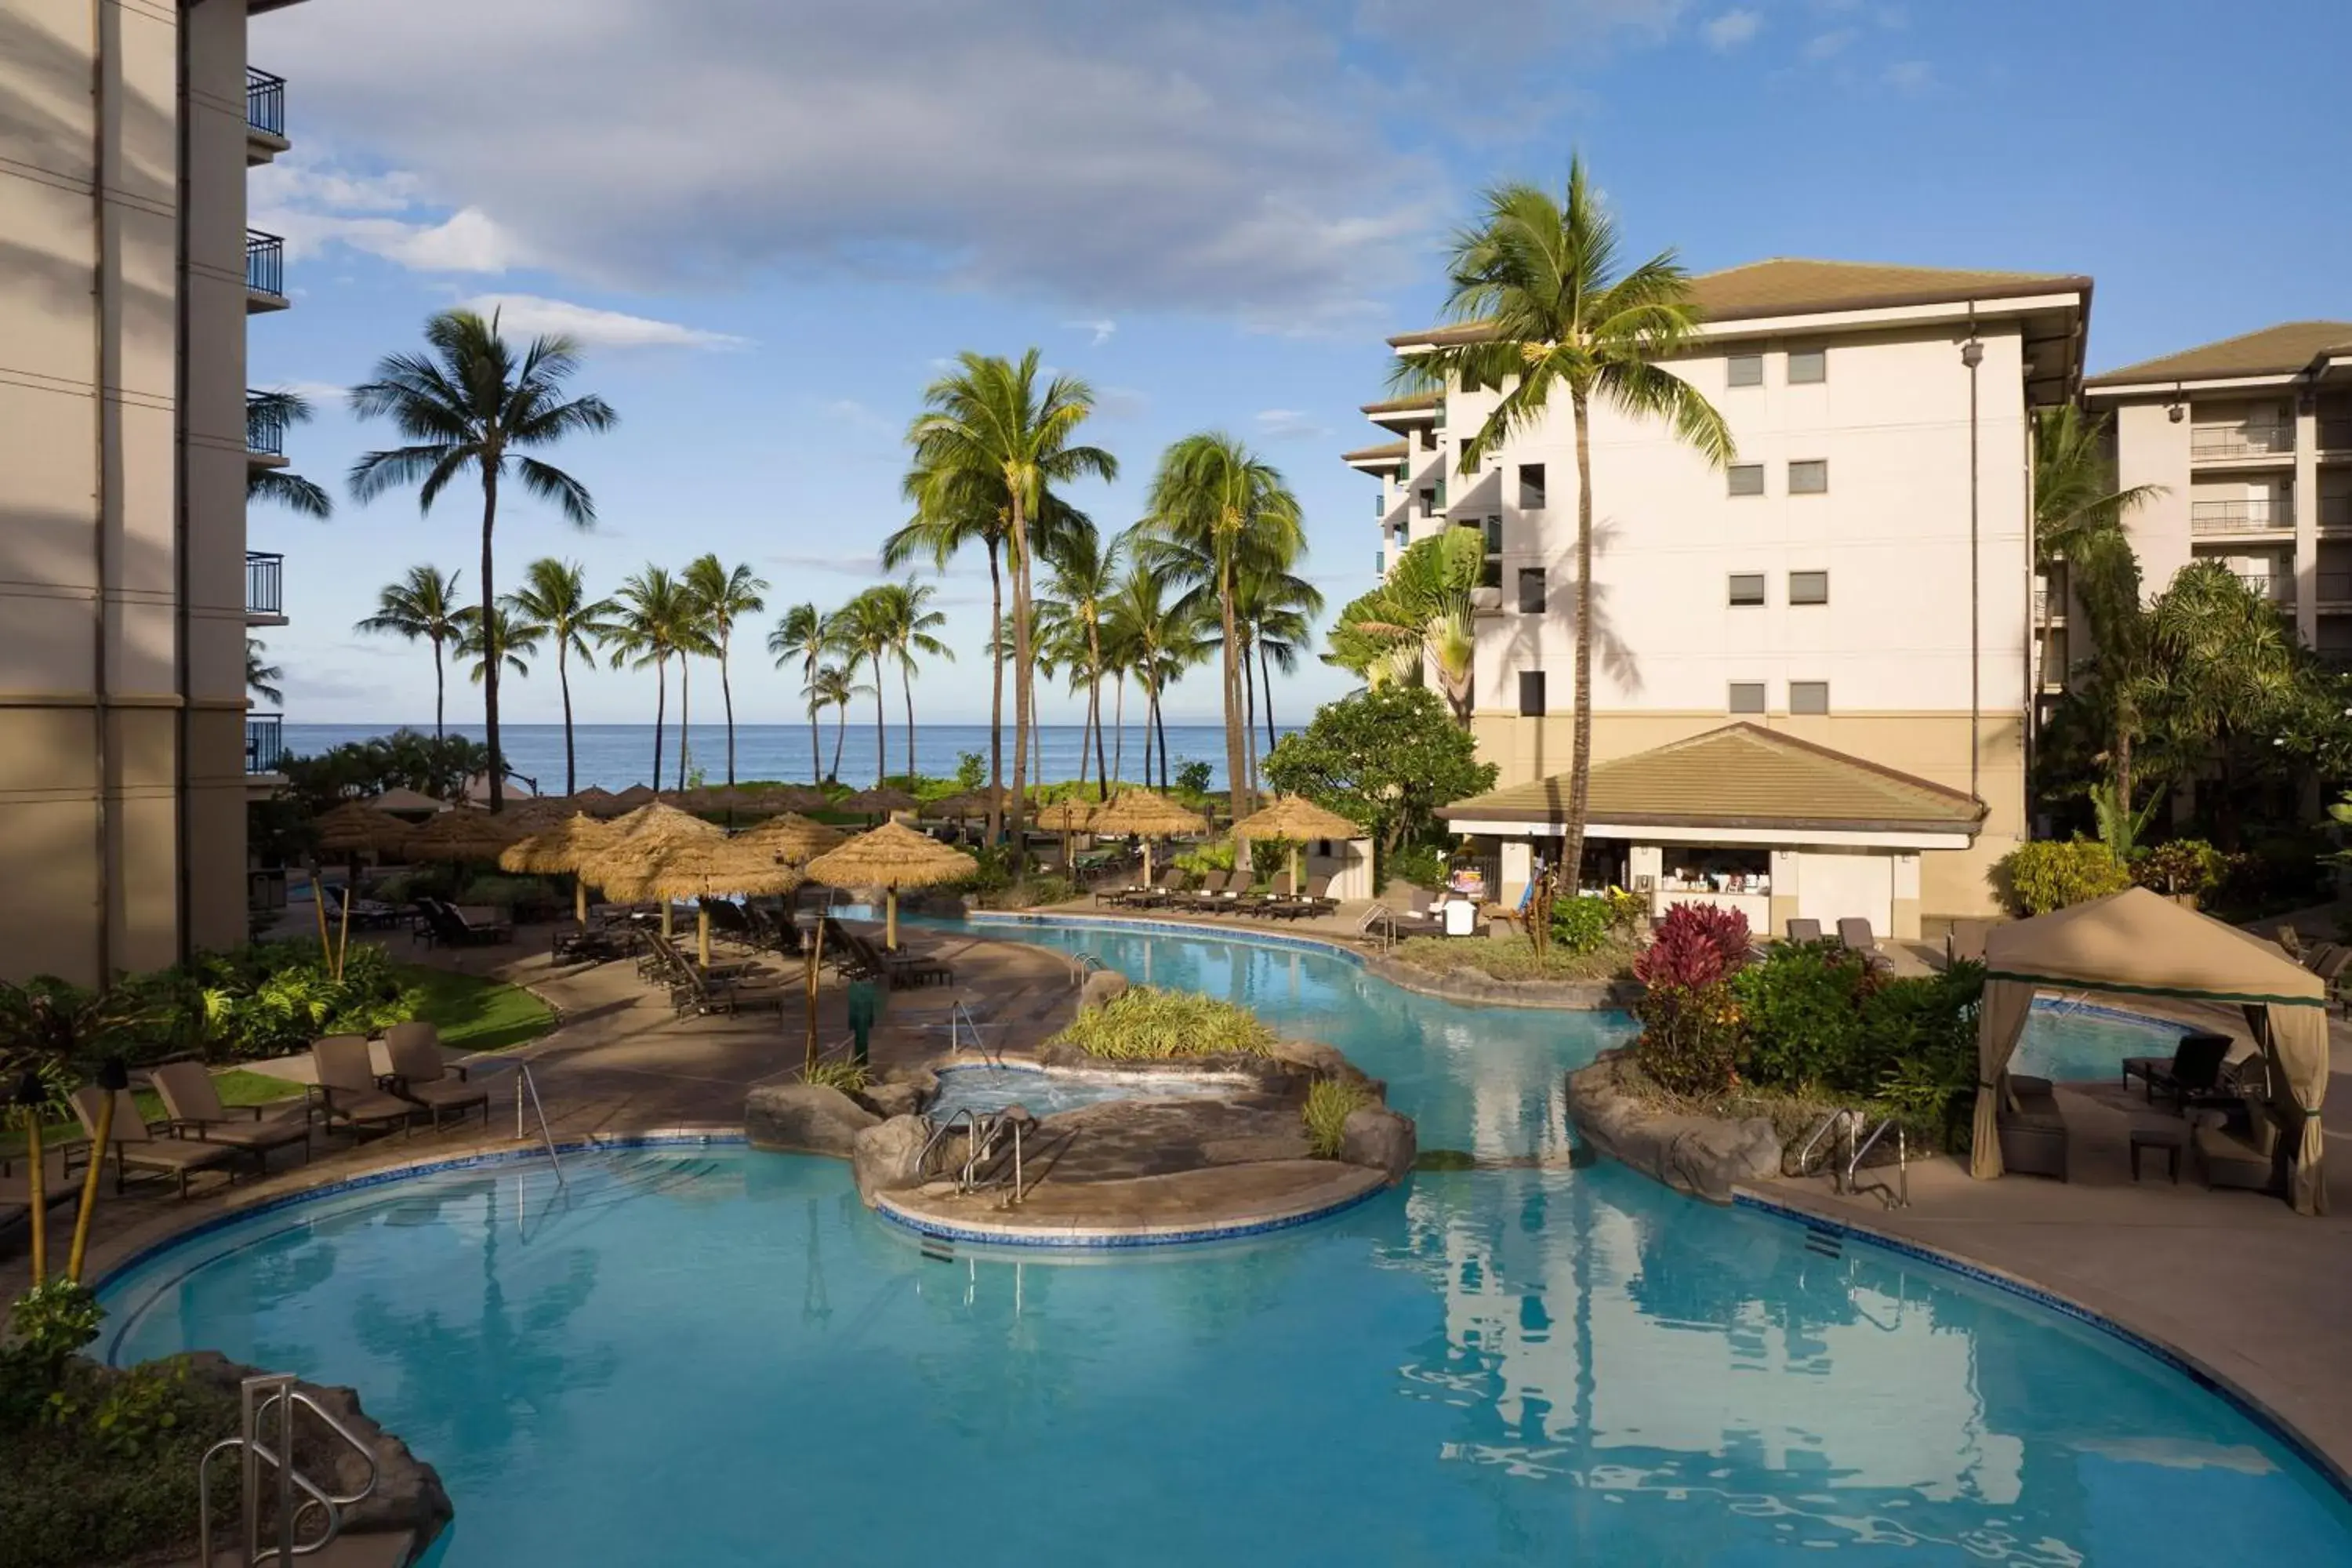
(2140, 942)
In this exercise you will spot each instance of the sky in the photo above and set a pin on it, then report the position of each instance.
(769, 226)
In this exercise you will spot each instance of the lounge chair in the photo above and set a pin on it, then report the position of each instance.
(1415, 920)
(1159, 890)
(2032, 1128)
(2330, 963)
(1319, 893)
(1965, 943)
(421, 1073)
(694, 990)
(2248, 1159)
(194, 1104)
(1803, 930)
(897, 970)
(2194, 1068)
(134, 1146)
(452, 927)
(350, 1090)
(1205, 896)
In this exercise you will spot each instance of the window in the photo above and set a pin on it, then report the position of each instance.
(1809, 587)
(1747, 696)
(1531, 486)
(1809, 697)
(1809, 477)
(1746, 370)
(1806, 365)
(1747, 479)
(1531, 694)
(1429, 503)
(1531, 590)
(1748, 587)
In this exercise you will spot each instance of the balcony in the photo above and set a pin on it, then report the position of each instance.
(2335, 435)
(265, 271)
(2333, 587)
(265, 588)
(264, 431)
(265, 743)
(2240, 517)
(264, 116)
(2274, 587)
(2241, 441)
(2335, 511)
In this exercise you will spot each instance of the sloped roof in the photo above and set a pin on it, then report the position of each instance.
(1741, 776)
(1384, 453)
(2281, 349)
(1798, 286)
(1413, 404)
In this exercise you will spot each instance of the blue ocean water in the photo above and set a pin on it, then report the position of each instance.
(615, 756)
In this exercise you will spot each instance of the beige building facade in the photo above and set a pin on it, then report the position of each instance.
(126, 278)
(1860, 579)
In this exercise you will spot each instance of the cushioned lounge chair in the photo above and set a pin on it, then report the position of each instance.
(1805, 931)
(349, 1090)
(194, 1103)
(2032, 1128)
(2194, 1068)
(422, 1073)
(133, 1146)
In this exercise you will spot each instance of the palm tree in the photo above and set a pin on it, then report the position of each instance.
(1541, 277)
(728, 595)
(2224, 665)
(1217, 512)
(472, 403)
(902, 617)
(554, 595)
(863, 626)
(1085, 573)
(1158, 642)
(512, 637)
(954, 510)
(991, 437)
(1417, 620)
(830, 685)
(807, 633)
(261, 678)
(654, 624)
(422, 605)
(2078, 519)
(290, 490)
(1277, 607)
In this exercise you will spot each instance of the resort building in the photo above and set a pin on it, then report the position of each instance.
(124, 595)
(1845, 613)
(2250, 441)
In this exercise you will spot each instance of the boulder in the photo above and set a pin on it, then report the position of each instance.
(888, 1157)
(804, 1119)
(1100, 988)
(893, 1098)
(1706, 1156)
(1380, 1138)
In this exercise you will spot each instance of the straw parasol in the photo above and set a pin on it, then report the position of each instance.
(767, 800)
(791, 838)
(1148, 816)
(879, 801)
(703, 869)
(403, 801)
(963, 808)
(1066, 816)
(564, 847)
(1296, 819)
(598, 802)
(355, 825)
(463, 836)
(892, 857)
(635, 796)
(635, 844)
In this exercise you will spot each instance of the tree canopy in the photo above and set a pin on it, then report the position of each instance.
(1388, 758)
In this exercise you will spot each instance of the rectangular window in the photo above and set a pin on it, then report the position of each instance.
(1531, 590)
(1531, 486)
(1494, 534)
(1746, 370)
(1807, 365)
(1531, 694)
(1809, 587)
(1490, 573)
(1747, 696)
(1809, 477)
(1429, 503)
(1747, 479)
(1748, 587)
(1809, 697)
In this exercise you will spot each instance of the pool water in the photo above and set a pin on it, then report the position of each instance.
(714, 1355)
(2069, 1040)
(1045, 1093)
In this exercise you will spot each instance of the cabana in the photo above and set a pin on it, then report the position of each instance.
(2136, 944)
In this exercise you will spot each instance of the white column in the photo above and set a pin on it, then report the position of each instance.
(2306, 520)
(1519, 871)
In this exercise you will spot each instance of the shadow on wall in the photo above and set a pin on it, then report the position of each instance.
(1522, 645)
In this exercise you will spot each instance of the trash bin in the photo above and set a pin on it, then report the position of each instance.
(1461, 916)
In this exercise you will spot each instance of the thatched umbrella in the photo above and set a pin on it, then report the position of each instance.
(783, 797)
(636, 844)
(791, 838)
(1148, 816)
(1066, 816)
(703, 869)
(634, 796)
(892, 857)
(402, 801)
(598, 802)
(963, 808)
(564, 848)
(355, 825)
(879, 801)
(1296, 819)
(463, 836)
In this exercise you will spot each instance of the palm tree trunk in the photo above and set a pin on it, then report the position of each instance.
(995, 698)
(840, 729)
(1160, 722)
(1022, 654)
(439, 693)
(489, 621)
(1579, 774)
(1094, 708)
(661, 713)
(1236, 784)
(906, 685)
(684, 712)
(816, 757)
(1265, 673)
(563, 679)
(881, 757)
(1249, 719)
(726, 695)
(1119, 731)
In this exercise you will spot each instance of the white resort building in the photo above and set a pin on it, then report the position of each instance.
(1811, 672)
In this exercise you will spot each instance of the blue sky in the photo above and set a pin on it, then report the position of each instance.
(769, 223)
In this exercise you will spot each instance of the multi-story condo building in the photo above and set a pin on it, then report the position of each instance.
(2250, 443)
(1811, 670)
(126, 277)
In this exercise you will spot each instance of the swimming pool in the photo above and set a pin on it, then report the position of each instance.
(1045, 1093)
(716, 1355)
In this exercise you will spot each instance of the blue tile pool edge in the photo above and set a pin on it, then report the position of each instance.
(1111, 1240)
(2248, 1405)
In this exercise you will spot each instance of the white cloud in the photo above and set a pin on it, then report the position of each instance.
(864, 565)
(1909, 76)
(1290, 424)
(1731, 29)
(1102, 326)
(1821, 45)
(529, 313)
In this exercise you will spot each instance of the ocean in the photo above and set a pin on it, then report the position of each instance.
(615, 756)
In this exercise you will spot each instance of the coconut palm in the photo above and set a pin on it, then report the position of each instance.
(830, 685)
(513, 638)
(655, 624)
(1277, 609)
(1145, 635)
(728, 595)
(1083, 574)
(807, 633)
(952, 509)
(990, 437)
(472, 403)
(261, 677)
(902, 617)
(421, 606)
(1417, 620)
(1543, 277)
(279, 486)
(1217, 510)
(864, 627)
(554, 596)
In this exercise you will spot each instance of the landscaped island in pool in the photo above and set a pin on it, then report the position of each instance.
(710, 1355)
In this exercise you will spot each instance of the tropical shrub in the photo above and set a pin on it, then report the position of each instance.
(1146, 1022)
(1202, 860)
(1802, 1004)
(506, 892)
(1193, 778)
(1690, 1020)
(1586, 925)
(1387, 758)
(1920, 1036)
(1329, 1104)
(2051, 875)
(268, 999)
(1422, 865)
(2184, 867)
(1513, 958)
(849, 1077)
(972, 770)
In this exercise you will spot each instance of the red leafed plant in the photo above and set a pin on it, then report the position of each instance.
(1691, 1032)
(1694, 945)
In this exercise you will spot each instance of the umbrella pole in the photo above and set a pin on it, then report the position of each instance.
(318, 903)
(1146, 842)
(816, 952)
(578, 899)
(890, 919)
(665, 904)
(343, 939)
(1294, 870)
(702, 931)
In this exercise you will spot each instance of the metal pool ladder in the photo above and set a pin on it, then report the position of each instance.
(1820, 1151)
(257, 1397)
(524, 1081)
(984, 1128)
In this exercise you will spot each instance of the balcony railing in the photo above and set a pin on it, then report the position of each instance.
(2335, 511)
(2333, 587)
(265, 263)
(265, 101)
(2335, 435)
(264, 742)
(2240, 516)
(265, 584)
(264, 425)
(2277, 587)
(2241, 440)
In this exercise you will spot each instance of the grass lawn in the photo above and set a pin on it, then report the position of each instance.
(476, 1015)
(1511, 958)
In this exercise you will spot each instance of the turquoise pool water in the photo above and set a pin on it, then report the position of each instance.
(1044, 1093)
(712, 1355)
